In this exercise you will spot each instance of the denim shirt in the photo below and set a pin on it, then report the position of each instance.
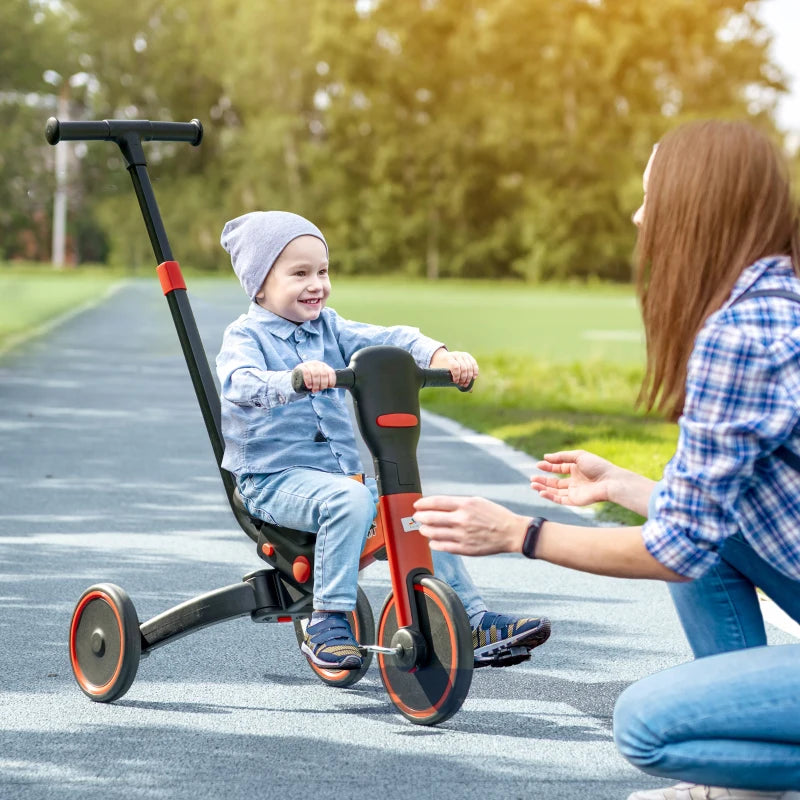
(742, 403)
(267, 426)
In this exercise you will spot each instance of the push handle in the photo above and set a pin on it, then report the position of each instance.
(120, 129)
(345, 379)
(440, 378)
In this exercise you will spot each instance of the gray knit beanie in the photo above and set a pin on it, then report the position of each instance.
(255, 241)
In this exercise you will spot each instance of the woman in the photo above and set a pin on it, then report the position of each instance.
(717, 225)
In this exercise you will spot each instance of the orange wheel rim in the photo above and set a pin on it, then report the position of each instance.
(90, 687)
(412, 712)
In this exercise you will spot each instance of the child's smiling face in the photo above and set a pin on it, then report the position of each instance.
(298, 285)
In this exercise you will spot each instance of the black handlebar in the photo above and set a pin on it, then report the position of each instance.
(345, 379)
(118, 129)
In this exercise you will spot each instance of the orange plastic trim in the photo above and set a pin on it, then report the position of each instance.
(374, 543)
(406, 550)
(267, 549)
(397, 421)
(301, 569)
(169, 273)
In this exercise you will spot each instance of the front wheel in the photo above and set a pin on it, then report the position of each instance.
(362, 623)
(105, 643)
(437, 688)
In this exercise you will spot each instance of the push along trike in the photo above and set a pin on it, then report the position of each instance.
(424, 642)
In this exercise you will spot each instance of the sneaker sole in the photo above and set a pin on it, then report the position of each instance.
(528, 639)
(348, 663)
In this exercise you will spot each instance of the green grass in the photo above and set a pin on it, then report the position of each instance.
(32, 296)
(560, 365)
(551, 323)
(540, 407)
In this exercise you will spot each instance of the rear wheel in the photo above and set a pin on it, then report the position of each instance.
(362, 623)
(437, 688)
(105, 643)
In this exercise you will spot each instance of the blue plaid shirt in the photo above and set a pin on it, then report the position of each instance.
(742, 403)
(267, 426)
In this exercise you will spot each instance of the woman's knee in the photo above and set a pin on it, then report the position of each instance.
(634, 733)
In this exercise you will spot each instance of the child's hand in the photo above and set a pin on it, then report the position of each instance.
(317, 376)
(463, 367)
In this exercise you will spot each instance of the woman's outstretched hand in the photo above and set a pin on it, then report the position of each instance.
(588, 478)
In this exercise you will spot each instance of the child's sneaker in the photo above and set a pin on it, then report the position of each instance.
(329, 643)
(497, 634)
(693, 791)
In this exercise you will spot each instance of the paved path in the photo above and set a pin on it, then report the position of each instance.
(106, 474)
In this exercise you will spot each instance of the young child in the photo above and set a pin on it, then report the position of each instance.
(292, 453)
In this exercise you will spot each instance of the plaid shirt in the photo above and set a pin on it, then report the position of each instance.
(742, 403)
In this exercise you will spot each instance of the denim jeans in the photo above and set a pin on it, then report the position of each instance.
(341, 510)
(720, 611)
(727, 720)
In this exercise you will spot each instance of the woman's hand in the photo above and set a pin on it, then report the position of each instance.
(463, 367)
(471, 526)
(591, 479)
(588, 478)
(318, 376)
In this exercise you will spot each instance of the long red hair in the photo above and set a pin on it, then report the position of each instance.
(718, 199)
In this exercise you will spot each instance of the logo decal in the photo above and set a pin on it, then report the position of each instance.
(409, 524)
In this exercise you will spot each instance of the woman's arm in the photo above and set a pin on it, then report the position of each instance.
(474, 526)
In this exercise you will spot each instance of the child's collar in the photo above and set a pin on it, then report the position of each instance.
(279, 326)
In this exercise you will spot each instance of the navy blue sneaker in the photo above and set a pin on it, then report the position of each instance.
(330, 644)
(500, 635)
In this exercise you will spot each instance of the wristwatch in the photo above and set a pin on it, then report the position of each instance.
(532, 537)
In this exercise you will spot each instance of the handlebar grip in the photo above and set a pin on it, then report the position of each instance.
(345, 379)
(433, 378)
(116, 129)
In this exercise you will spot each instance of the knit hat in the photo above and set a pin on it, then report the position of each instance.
(255, 241)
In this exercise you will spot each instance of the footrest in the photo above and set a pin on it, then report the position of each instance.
(506, 658)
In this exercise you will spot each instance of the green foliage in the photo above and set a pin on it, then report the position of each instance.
(438, 138)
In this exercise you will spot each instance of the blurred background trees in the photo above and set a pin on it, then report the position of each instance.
(446, 138)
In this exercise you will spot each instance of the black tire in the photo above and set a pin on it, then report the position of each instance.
(362, 623)
(105, 643)
(437, 689)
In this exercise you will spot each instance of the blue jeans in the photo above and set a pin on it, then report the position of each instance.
(341, 510)
(727, 720)
(720, 611)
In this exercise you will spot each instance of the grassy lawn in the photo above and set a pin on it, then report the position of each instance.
(32, 296)
(560, 365)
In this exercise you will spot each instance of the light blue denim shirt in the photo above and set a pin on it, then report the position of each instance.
(267, 426)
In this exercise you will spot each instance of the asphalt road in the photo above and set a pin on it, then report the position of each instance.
(106, 474)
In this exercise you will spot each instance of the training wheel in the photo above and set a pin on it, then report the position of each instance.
(105, 643)
(437, 688)
(362, 623)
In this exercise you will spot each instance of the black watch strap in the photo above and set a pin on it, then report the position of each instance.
(532, 537)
